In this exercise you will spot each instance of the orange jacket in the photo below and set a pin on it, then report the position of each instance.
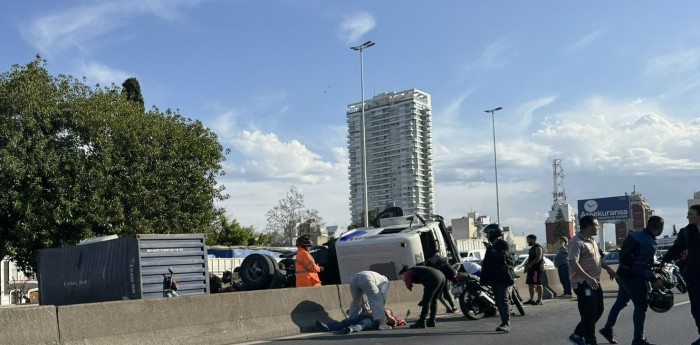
(306, 269)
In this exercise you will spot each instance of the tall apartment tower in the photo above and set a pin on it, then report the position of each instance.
(398, 131)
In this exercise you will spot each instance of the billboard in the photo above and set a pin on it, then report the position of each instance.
(616, 208)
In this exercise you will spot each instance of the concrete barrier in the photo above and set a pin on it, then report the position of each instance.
(210, 319)
(553, 287)
(30, 325)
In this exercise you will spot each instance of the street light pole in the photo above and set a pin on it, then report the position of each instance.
(363, 141)
(495, 163)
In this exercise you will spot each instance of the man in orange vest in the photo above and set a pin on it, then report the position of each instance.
(305, 267)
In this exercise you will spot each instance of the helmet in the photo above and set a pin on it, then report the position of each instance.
(493, 231)
(660, 301)
(304, 241)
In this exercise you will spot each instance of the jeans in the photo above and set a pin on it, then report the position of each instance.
(563, 271)
(590, 307)
(634, 289)
(501, 293)
(357, 323)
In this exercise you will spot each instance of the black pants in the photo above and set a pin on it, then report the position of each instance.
(590, 307)
(432, 289)
(693, 283)
(501, 294)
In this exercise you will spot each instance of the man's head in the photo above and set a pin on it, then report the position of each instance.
(531, 239)
(304, 241)
(589, 225)
(694, 215)
(656, 225)
(563, 241)
(493, 232)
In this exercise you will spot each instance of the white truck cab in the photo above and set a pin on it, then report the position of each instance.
(405, 240)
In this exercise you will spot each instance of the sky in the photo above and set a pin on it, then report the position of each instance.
(610, 88)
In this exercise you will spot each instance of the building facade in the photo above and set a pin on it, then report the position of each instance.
(640, 211)
(560, 222)
(398, 131)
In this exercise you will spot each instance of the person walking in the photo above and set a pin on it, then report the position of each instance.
(497, 271)
(633, 273)
(433, 282)
(305, 268)
(688, 239)
(535, 270)
(585, 263)
(561, 262)
(375, 286)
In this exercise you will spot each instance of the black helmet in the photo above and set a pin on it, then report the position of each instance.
(304, 241)
(493, 231)
(660, 301)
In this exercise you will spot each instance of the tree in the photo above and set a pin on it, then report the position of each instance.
(285, 219)
(231, 233)
(675, 231)
(79, 162)
(361, 220)
(561, 227)
(132, 90)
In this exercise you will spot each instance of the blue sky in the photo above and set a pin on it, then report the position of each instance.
(611, 88)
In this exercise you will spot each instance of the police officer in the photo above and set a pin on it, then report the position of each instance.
(633, 273)
(689, 239)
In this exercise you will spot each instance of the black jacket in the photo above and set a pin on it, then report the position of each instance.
(688, 238)
(497, 267)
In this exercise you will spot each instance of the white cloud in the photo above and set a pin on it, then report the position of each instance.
(355, 26)
(586, 40)
(100, 74)
(74, 27)
(680, 62)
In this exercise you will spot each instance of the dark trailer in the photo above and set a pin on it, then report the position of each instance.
(122, 268)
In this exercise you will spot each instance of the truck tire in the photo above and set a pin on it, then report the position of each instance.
(257, 271)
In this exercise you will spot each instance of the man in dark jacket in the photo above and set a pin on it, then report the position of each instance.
(497, 271)
(689, 239)
(633, 273)
(433, 282)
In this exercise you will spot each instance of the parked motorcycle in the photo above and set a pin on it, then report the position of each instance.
(169, 285)
(477, 300)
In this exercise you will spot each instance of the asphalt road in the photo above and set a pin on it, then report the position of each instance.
(549, 324)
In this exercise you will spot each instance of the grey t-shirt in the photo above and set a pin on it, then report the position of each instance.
(584, 251)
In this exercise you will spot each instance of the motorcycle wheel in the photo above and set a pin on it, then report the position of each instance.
(681, 287)
(515, 298)
(471, 306)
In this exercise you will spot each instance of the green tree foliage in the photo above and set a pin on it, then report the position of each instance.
(78, 162)
(290, 218)
(132, 90)
(231, 233)
(361, 222)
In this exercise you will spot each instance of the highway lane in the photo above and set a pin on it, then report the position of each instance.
(550, 324)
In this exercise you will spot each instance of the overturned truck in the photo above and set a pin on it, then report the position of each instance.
(392, 241)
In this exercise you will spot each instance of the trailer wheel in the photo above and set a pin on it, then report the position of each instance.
(257, 271)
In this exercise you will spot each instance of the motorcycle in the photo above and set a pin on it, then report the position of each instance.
(477, 300)
(169, 285)
(671, 276)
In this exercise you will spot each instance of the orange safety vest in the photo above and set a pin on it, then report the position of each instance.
(306, 270)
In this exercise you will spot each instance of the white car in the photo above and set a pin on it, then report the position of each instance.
(521, 260)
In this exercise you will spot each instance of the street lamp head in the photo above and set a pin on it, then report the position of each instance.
(363, 46)
(493, 110)
(497, 109)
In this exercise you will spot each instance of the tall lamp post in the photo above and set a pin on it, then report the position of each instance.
(363, 142)
(495, 163)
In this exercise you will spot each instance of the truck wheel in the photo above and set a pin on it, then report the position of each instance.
(257, 271)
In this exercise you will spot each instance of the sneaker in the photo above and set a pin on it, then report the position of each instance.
(608, 334)
(430, 323)
(322, 326)
(383, 326)
(566, 295)
(503, 328)
(348, 330)
(529, 302)
(575, 339)
(452, 310)
(538, 303)
(642, 341)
